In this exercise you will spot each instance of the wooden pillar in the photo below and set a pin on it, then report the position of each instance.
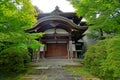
(70, 49)
(38, 54)
(43, 54)
(68, 56)
(42, 51)
(75, 54)
(45, 49)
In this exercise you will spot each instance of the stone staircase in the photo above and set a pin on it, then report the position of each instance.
(58, 62)
(52, 69)
(52, 74)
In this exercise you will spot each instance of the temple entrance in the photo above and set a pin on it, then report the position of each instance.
(62, 32)
(56, 50)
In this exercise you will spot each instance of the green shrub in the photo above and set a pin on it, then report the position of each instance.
(103, 59)
(12, 60)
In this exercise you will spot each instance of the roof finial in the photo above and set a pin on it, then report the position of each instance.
(57, 8)
(56, 11)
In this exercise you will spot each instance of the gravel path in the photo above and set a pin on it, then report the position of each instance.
(52, 70)
(52, 74)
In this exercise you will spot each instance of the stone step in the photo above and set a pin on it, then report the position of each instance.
(53, 69)
(52, 74)
(53, 78)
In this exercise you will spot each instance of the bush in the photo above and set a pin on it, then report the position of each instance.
(103, 59)
(12, 60)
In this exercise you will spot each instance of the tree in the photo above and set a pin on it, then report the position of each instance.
(103, 16)
(37, 10)
(103, 59)
(15, 17)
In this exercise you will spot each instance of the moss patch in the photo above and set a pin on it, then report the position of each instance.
(76, 70)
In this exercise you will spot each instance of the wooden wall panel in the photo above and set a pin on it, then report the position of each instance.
(57, 50)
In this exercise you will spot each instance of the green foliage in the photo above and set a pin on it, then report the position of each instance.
(15, 17)
(37, 11)
(103, 59)
(79, 71)
(13, 60)
(100, 14)
(34, 45)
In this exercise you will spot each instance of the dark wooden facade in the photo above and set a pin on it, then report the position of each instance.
(63, 34)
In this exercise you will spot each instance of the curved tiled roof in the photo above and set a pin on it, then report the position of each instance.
(60, 18)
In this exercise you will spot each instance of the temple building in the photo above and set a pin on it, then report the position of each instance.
(63, 32)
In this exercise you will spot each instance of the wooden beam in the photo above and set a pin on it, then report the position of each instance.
(45, 40)
(57, 34)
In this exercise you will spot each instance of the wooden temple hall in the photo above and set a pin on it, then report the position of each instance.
(63, 34)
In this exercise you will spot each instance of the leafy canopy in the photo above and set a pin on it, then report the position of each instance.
(103, 16)
(17, 16)
(103, 59)
(100, 14)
